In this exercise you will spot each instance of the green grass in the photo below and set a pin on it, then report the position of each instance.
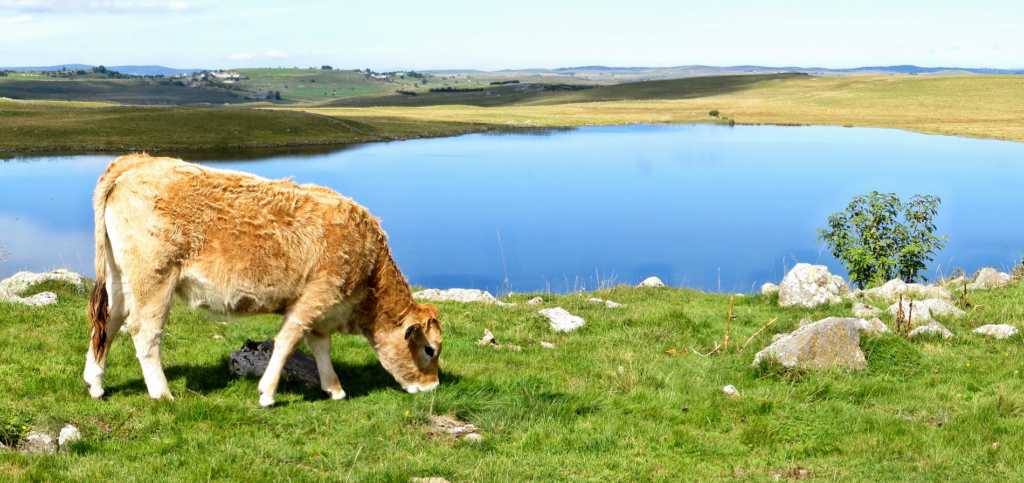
(605, 404)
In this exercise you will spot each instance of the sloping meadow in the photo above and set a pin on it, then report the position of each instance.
(628, 396)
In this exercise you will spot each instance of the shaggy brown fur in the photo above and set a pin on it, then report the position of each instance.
(239, 244)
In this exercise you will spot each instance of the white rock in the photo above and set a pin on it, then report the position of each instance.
(941, 307)
(20, 281)
(612, 305)
(864, 311)
(37, 300)
(475, 437)
(547, 345)
(999, 331)
(991, 278)
(457, 295)
(731, 390)
(652, 282)
(931, 328)
(534, 301)
(488, 338)
(596, 301)
(561, 320)
(890, 290)
(769, 288)
(811, 285)
(831, 342)
(37, 443)
(873, 326)
(920, 311)
(69, 434)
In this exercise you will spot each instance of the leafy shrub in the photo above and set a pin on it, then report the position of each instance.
(13, 426)
(875, 245)
(713, 113)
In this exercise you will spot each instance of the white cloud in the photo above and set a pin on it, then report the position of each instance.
(96, 6)
(23, 18)
(243, 56)
(276, 53)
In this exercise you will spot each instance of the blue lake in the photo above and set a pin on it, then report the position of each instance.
(710, 207)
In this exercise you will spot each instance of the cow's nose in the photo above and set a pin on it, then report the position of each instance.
(414, 389)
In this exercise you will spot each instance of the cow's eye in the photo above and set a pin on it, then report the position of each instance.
(429, 351)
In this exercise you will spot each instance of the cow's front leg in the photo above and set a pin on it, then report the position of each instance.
(292, 332)
(321, 347)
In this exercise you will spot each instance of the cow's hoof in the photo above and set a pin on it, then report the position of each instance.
(95, 392)
(266, 400)
(337, 395)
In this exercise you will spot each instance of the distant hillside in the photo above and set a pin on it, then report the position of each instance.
(124, 69)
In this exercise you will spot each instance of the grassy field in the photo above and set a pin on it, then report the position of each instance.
(973, 106)
(314, 84)
(118, 91)
(606, 404)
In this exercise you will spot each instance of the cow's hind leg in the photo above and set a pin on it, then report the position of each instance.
(147, 328)
(321, 347)
(117, 310)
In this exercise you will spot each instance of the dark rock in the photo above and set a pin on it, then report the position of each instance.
(252, 359)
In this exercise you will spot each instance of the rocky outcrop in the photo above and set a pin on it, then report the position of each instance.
(561, 320)
(892, 289)
(832, 342)
(769, 288)
(455, 295)
(864, 311)
(252, 359)
(932, 328)
(809, 285)
(37, 443)
(11, 288)
(652, 282)
(1000, 331)
(941, 308)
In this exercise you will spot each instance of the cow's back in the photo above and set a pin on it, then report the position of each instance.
(240, 243)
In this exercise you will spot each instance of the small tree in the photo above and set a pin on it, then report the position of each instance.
(277, 95)
(326, 67)
(713, 113)
(875, 245)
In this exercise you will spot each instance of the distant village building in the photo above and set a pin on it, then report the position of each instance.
(379, 76)
(178, 76)
(257, 97)
(225, 75)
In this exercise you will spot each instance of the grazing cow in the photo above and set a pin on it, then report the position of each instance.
(235, 243)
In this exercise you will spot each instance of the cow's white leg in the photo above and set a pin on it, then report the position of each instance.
(147, 328)
(321, 347)
(292, 332)
(95, 367)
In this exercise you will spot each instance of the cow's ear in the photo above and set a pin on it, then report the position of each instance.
(435, 322)
(413, 330)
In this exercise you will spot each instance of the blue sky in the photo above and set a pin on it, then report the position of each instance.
(385, 35)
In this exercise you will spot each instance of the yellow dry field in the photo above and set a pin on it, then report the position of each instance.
(974, 106)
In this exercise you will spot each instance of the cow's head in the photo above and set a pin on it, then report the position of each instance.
(411, 349)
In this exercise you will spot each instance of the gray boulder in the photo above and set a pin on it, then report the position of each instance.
(864, 311)
(37, 443)
(561, 320)
(1000, 331)
(809, 285)
(889, 290)
(991, 278)
(873, 326)
(932, 328)
(920, 311)
(455, 295)
(832, 342)
(252, 359)
(11, 288)
(941, 307)
(769, 288)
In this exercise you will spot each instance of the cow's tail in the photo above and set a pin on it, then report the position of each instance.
(98, 310)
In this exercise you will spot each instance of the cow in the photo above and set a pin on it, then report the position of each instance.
(238, 244)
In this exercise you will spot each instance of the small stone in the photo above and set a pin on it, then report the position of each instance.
(535, 301)
(561, 320)
(873, 326)
(38, 300)
(652, 282)
(769, 288)
(69, 434)
(999, 331)
(991, 278)
(612, 305)
(474, 437)
(864, 311)
(931, 328)
(218, 337)
(596, 301)
(488, 338)
(547, 345)
(37, 443)
(995, 446)
(731, 390)
(430, 479)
